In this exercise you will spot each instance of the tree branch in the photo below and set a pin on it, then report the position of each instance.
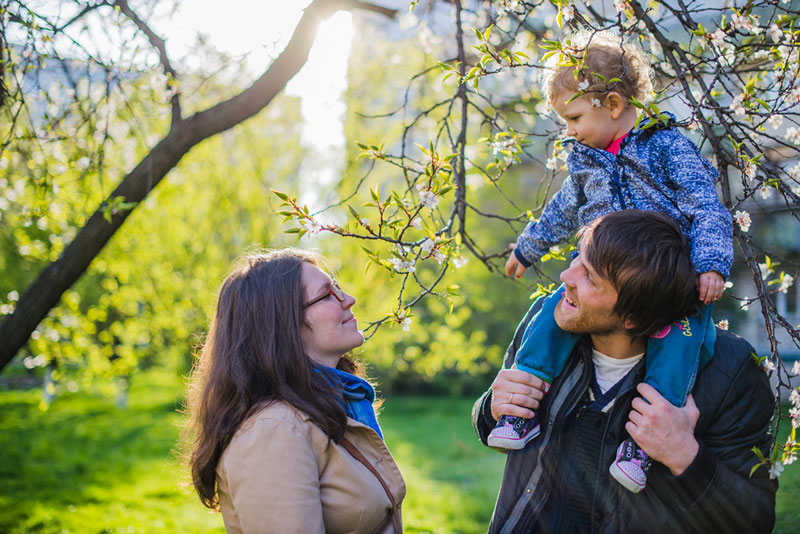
(159, 44)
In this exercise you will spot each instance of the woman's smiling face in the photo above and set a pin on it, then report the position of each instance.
(330, 329)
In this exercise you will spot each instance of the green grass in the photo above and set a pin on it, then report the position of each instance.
(85, 466)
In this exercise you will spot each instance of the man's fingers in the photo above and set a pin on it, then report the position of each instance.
(649, 393)
(640, 405)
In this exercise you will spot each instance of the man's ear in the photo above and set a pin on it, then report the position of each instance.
(628, 323)
(615, 103)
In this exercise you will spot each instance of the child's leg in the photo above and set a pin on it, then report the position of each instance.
(545, 348)
(673, 359)
(543, 352)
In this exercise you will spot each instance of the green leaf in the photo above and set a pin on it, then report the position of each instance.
(754, 468)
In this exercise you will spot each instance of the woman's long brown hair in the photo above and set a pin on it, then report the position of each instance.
(253, 355)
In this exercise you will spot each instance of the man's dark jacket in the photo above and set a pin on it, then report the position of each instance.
(714, 495)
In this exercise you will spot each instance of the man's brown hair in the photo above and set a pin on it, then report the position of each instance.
(646, 258)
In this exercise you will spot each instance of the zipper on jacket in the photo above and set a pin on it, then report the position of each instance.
(557, 426)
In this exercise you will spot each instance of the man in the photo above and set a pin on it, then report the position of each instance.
(633, 274)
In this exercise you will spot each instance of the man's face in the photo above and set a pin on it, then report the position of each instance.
(587, 306)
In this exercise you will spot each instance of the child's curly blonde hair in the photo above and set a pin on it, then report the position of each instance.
(603, 53)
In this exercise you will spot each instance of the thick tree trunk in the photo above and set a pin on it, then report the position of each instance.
(46, 290)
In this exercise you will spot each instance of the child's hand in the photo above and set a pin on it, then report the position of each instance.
(711, 286)
(513, 266)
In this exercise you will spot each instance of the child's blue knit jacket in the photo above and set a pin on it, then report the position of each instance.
(657, 169)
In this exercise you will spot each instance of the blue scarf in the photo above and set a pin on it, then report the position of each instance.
(357, 397)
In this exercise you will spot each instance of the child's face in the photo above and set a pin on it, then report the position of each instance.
(590, 124)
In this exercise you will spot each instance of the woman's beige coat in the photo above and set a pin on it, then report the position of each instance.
(280, 474)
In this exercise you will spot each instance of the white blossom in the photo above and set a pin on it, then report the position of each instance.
(793, 135)
(620, 5)
(723, 324)
(403, 265)
(459, 262)
(765, 270)
(742, 218)
(13, 296)
(427, 245)
(429, 199)
(500, 145)
(764, 190)
(794, 396)
(6, 309)
(416, 222)
(775, 33)
(406, 324)
(728, 284)
(311, 225)
(552, 163)
(746, 23)
(796, 189)
(769, 365)
(364, 222)
(794, 413)
(737, 105)
(718, 37)
(775, 121)
(568, 13)
(750, 171)
(595, 102)
(745, 305)
(440, 256)
(791, 456)
(727, 53)
(796, 369)
(786, 282)
(775, 470)
(584, 85)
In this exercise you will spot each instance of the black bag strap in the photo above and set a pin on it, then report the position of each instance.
(394, 513)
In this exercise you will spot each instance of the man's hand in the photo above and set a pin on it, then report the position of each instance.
(513, 266)
(664, 431)
(710, 286)
(516, 392)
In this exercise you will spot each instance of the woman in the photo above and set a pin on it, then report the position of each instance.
(286, 439)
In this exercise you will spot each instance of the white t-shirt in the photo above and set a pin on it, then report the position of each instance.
(610, 370)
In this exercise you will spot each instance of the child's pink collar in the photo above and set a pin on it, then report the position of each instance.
(615, 145)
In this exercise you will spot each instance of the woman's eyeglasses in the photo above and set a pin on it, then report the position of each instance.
(334, 291)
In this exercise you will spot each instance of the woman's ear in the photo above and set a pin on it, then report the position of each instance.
(615, 103)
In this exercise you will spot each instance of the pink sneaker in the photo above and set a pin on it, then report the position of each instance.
(631, 466)
(513, 432)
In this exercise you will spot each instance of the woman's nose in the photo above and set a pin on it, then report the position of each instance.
(348, 301)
